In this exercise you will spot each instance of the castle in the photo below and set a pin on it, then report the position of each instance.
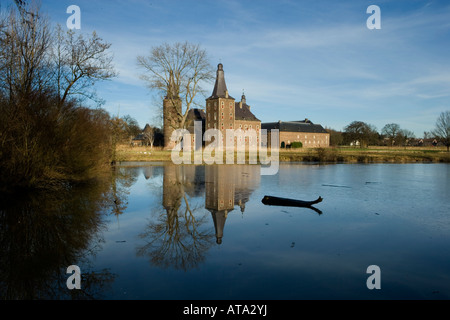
(223, 112)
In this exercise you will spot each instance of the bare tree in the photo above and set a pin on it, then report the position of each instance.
(79, 62)
(406, 136)
(149, 135)
(47, 139)
(181, 69)
(25, 40)
(391, 131)
(34, 58)
(442, 129)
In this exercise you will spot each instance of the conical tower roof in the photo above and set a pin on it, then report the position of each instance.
(220, 88)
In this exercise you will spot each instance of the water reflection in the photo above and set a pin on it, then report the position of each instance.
(180, 233)
(41, 234)
(121, 181)
(226, 187)
(182, 218)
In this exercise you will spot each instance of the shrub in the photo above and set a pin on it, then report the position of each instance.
(44, 145)
(296, 144)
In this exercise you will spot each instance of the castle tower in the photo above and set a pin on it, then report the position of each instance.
(172, 188)
(220, 106)
(171, 112)
(219, 196)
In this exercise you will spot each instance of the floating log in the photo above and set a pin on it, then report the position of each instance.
(276, 201)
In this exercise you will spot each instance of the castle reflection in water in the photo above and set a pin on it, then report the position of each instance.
(224, 187)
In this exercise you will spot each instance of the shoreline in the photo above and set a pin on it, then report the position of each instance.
(317, 155)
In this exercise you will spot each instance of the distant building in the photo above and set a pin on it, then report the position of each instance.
(309, 134)
(223, 112)
(139, 140)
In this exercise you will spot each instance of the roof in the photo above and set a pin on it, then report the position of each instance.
(140, 136)
(220, 87)
(294, 126)
(196, 114)
(244, 113)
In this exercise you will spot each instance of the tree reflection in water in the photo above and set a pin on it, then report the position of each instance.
(180, 233)
(121, 181)
(43, 233)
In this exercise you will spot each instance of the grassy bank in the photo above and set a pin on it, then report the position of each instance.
(338, 155)
(368, 155)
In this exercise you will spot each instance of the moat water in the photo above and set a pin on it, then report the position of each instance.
(201, 232)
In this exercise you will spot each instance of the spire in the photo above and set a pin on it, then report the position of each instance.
(220, 88)
(219, 219)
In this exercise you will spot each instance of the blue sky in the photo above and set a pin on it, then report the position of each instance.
(294, 59)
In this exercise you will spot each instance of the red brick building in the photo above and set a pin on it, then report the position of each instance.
(309, 134)
(224, 112)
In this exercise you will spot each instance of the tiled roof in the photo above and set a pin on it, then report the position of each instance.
(244, 113)
(196, 114)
